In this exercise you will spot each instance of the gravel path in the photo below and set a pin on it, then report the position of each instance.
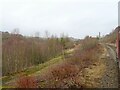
(110, 78)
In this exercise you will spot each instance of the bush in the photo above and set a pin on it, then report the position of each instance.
(26, 82)
(61, 76)
(89, 43)
(65, 70)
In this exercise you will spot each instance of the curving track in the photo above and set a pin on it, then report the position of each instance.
(110, 78)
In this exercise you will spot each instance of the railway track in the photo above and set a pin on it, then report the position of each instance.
(112, 52)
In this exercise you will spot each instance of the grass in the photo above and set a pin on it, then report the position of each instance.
(2, 87)
(43, 65)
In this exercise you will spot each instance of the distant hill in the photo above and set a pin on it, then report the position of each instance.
(111, 37)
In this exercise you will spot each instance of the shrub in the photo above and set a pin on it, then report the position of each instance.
(26, 82)
(89, 43)
(62, 76)
(65, 70)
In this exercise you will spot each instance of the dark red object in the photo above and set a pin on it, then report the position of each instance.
(118, 43)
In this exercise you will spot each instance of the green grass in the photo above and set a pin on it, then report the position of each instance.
(39, 67)
(4, 87)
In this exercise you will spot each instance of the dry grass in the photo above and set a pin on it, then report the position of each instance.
(89, 43)
(61, 76)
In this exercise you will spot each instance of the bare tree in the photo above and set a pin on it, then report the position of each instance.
(47, 34)
(15, 31)
(37, 34)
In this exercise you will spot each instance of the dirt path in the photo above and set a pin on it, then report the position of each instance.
(110, 78)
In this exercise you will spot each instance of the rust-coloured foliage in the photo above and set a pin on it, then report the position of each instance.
(64, 71)
(26, 82)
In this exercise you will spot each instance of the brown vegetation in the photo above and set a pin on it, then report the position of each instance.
(68, 73)
(21, 52)
(111, 37)
(26, 82)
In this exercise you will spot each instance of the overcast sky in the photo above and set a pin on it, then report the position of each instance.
(77, 18)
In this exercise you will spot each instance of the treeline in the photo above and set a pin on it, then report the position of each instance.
(20, 52)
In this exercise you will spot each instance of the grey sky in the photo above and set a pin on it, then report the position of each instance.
(77, 18)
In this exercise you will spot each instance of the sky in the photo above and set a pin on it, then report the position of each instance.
(75, 18)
